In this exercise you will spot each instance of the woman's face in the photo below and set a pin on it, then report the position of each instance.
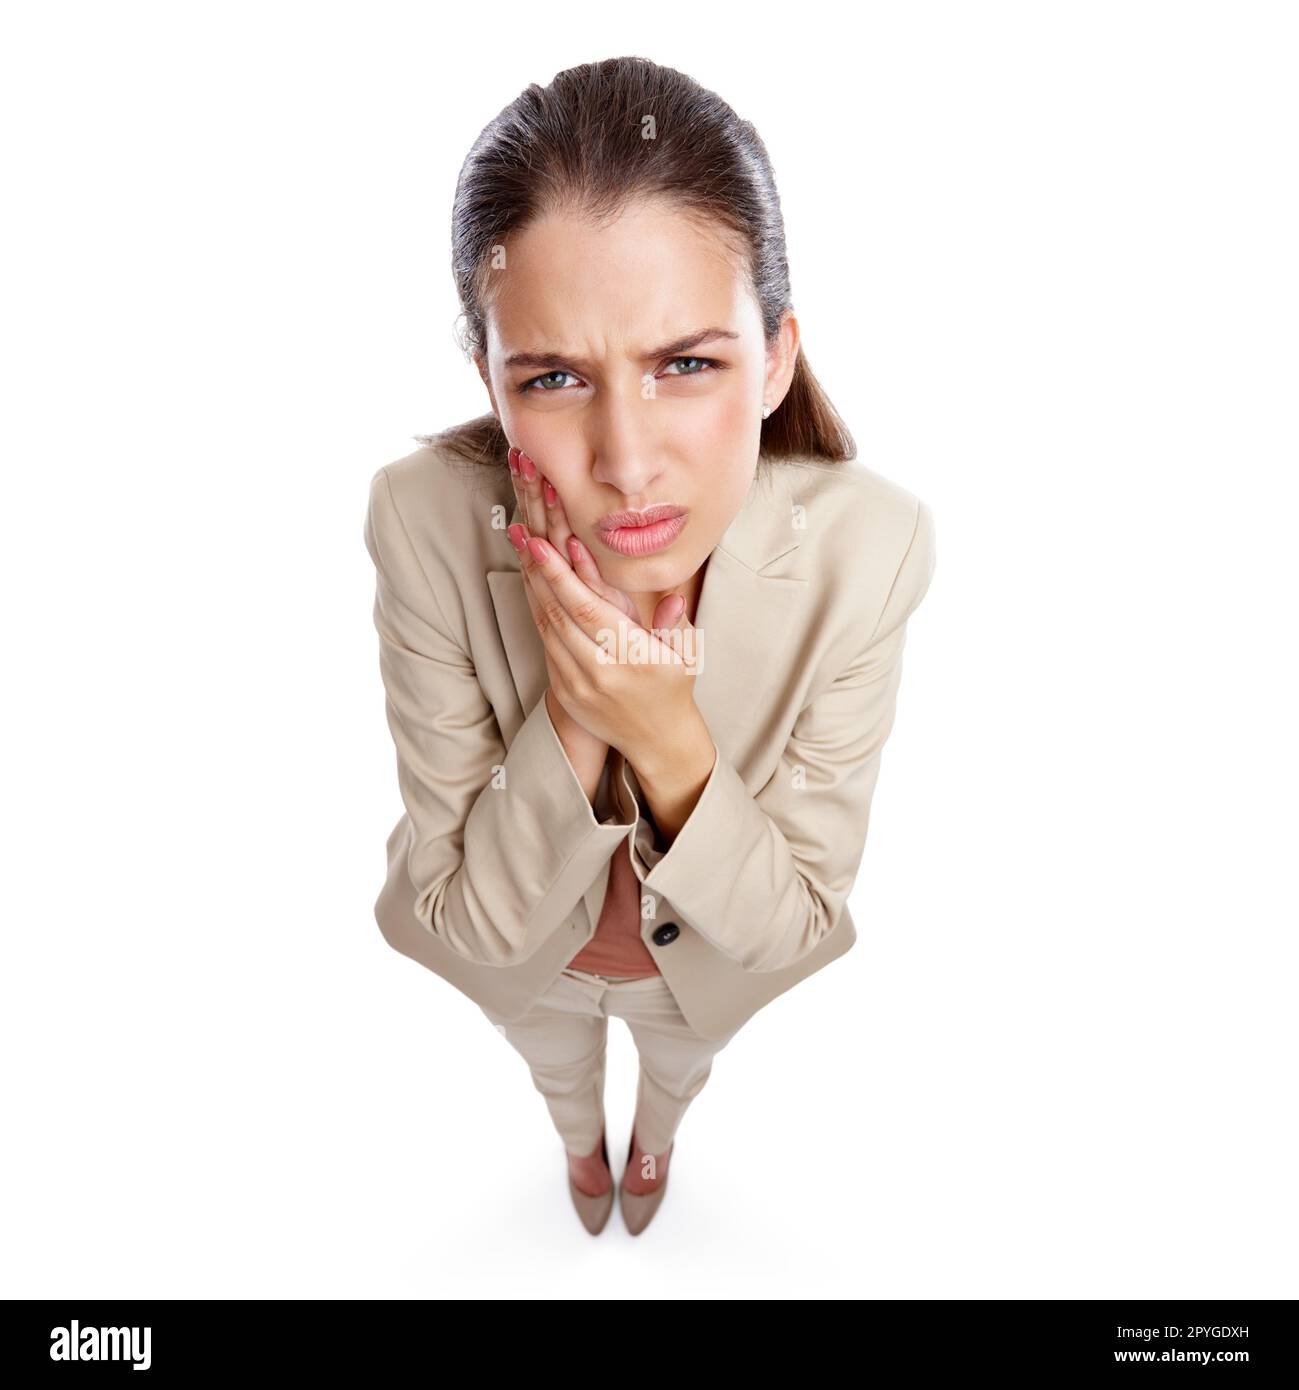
(628, 362)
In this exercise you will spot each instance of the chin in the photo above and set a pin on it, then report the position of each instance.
(661, 571)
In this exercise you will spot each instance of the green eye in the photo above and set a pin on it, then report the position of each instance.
(546, 377)
(706, 365)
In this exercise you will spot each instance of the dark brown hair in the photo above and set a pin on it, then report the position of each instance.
(580, 144)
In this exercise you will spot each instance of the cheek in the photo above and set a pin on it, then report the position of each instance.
(723, 426)
(553, 455)
(724, 449)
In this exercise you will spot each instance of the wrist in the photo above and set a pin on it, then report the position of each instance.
(676, 763)
(586, 754)
(673, 776)
(568, 728)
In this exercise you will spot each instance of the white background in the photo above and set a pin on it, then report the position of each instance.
(1043, 258)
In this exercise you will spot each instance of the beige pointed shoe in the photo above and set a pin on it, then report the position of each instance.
(638, 1208)
(594, 1211)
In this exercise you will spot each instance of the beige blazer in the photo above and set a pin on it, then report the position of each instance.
(498, 866)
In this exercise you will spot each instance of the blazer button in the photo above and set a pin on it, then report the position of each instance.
(668, 932)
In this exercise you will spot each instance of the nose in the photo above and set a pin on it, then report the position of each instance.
(626, 450)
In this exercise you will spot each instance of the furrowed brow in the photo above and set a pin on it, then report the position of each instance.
(679, 346)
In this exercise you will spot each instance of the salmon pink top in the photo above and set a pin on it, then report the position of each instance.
(616, 950)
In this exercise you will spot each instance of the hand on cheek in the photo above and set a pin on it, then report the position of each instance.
(611, 676)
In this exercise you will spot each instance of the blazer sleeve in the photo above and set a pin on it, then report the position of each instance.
(764, 877)
(503, 843)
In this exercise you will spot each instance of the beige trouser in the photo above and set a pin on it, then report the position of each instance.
(562, 1039)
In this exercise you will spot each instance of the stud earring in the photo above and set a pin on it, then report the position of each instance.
(766, 410)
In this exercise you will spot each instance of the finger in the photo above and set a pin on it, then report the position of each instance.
(520, 484)
(558, 529)
(539, 595)
(553, 615)
(588, 571)
(548, 610)
(527, 484)
(563, 664)
(671, 612)
(581, 617)
(565, 668)
(584, 563)
(574, 653)
(519, 536)
(516, 477)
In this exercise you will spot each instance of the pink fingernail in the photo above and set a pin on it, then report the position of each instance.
(514, 460)
(529, 468)
(515, 534)
(537, 546)
(548, 492)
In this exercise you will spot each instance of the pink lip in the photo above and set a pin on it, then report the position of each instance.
(641, 533)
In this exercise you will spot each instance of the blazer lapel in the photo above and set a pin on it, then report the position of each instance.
(751, 608)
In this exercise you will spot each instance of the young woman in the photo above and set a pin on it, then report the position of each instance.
(641, 626)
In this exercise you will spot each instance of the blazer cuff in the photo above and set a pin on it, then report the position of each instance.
(685, 873)
(646, 853)
(537, 770)
(752, 924)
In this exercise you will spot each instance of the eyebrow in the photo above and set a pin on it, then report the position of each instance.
(673, 349)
